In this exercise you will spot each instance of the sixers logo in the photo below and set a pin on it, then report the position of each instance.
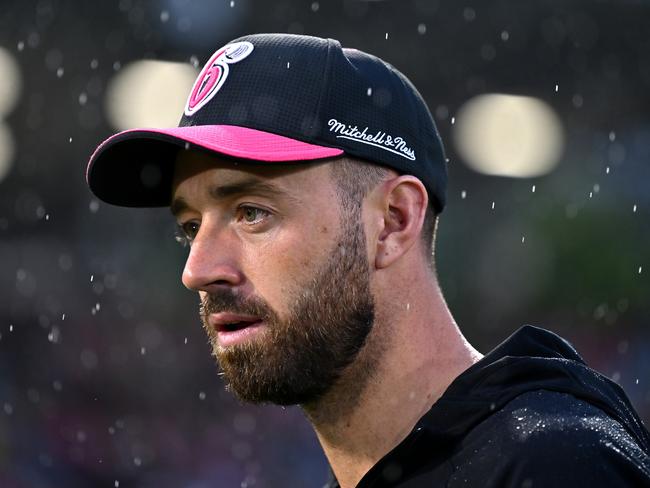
(214, 74)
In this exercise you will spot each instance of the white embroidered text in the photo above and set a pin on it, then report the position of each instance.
(379, 139)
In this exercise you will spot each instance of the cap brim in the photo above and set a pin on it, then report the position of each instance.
(134, 168)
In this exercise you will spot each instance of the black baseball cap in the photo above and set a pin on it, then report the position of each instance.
(280, 98)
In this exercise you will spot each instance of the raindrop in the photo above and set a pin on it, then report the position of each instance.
(422, 29)
(492, 205)
(607, 170)
(116, 66)
(21, 45)
(194, 61)
(97, 306)
(92, 277)
(577, 100)
(8, 408)
(201, 395)
(185, 341)
(453, 120)
(83, 98)
(63, 317)
(488, 53)
(315, 6)
(93, 206)
(11, 327)
(54, 336)
(137, 461)
(591, 194)
(232, 3)
(640, 269)
(442, 112)
(469, 14)
(93, 64)
(637, 381)
(612, 136)
(70, 139)
(288, 65)
(369, 91)
(557, 88)
(47, 216)
(523, 239)
(143, 350)
(116, 484)
(505, 35)
(59, 72)
(533, 189)
(408, 306)
(164, 16)
(463, 194)
(111, 430)
(596, 187)
(57, 385)
(634, 209)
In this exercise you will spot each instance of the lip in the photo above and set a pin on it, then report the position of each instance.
(225, 337)
(219, 320)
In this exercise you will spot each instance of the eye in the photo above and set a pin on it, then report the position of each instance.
(252, 215)
(186, 232)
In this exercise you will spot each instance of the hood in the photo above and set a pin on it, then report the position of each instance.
(530, 359)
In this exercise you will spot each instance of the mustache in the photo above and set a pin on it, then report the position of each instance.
(230, 301)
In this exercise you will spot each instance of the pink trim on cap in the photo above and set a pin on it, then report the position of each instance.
(239, 142)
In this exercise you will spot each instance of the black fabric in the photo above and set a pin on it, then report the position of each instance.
(529, 414)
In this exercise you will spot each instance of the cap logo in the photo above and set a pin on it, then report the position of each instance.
(380, 139)
(214, 74)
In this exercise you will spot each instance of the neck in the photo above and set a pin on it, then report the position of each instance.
(376, 403)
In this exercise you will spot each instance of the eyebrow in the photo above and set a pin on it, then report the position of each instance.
(222, 192)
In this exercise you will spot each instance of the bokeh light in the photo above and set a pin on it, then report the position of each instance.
(9, 82)
(508, 135)
(149, 94)
(6, 150)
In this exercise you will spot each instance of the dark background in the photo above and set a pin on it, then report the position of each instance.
(105, 374)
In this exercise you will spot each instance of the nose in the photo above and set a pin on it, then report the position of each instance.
(212, 263)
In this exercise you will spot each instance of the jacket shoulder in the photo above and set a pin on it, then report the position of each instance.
(545, 438)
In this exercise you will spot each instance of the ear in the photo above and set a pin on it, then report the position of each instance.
(405, 203)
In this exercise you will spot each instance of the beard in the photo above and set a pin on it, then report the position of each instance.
(299, 358)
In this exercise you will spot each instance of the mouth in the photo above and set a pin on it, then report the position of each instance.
(231, 327)
(235, 329)
(229, 322)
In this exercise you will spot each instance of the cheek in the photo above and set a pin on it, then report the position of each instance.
(280, 267)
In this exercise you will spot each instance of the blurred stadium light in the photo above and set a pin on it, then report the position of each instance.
(9, 94)
(6, 150)
(9, 82)
(508, 135)
(149, 94)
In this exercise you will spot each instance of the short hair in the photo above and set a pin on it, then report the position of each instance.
(355, 178)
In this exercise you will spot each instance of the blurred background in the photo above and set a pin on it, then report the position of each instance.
(106, 378)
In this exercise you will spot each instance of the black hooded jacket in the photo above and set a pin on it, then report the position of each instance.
(530, 414)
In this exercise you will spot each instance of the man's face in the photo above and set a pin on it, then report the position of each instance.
(282, 274)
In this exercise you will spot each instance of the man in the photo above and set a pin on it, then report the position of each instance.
(307, 180)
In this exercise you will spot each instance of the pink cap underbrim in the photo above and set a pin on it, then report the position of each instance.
(235, 141)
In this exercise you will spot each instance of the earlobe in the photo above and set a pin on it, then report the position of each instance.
(404, 208)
